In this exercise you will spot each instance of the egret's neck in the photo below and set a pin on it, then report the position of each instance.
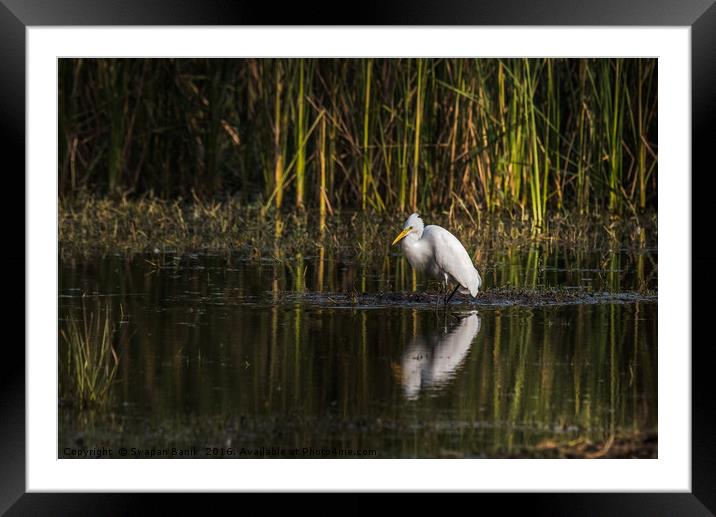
(415, 250)
(410, 240)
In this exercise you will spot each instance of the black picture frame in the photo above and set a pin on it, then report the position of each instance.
(700, 15)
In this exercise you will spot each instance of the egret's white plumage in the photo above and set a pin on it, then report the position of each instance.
(434, 250)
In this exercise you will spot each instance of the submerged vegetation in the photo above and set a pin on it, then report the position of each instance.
(91, 360)
(527, 137)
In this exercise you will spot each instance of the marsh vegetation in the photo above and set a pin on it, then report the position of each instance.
(531, 137)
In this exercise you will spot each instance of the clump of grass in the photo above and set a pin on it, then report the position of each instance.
(91, 358)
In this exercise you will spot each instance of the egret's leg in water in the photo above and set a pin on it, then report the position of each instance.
(444, 290)
(451, 294)
(443, 293)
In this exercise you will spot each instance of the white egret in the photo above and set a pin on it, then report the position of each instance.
(434, 250)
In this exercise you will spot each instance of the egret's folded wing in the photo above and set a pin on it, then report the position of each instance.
(452, 257)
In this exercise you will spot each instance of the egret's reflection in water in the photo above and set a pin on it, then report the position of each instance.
(432, 361)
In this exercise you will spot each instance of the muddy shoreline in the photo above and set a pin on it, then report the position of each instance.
(498, 297)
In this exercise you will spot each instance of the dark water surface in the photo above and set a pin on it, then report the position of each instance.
(226, 354)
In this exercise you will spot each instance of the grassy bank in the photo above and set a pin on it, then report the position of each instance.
(151, 225)
(534, 138)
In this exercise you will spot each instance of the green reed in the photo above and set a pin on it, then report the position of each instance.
(91, 359)
(524, 137)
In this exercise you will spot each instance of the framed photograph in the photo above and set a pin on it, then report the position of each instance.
(418, 253)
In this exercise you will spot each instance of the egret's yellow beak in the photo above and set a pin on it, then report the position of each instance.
(402, 234)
